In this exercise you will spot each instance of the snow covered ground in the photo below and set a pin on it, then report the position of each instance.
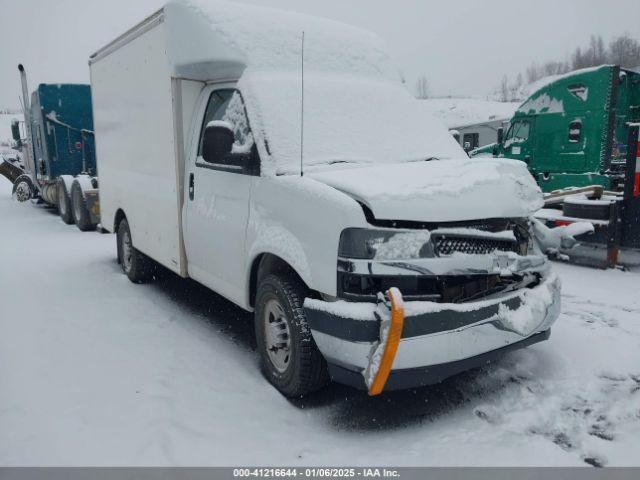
(97, 371)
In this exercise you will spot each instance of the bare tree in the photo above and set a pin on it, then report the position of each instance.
(423, 89)
(625, 51)
(504, 89)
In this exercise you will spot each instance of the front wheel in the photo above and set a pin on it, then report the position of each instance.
(290, 358)
(135, 264)
(23, 188)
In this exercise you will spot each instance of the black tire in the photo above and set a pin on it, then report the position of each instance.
(79, 209)
(64, 203)
(136, 265)
(305, 371)
(23, 188)
(593, 210)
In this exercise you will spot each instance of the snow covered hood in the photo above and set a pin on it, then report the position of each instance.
(440, 191)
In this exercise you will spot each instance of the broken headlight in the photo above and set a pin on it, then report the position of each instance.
(365, 243)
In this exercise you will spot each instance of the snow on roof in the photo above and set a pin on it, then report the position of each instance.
(461, 112)
(264, 38)
(531, 88)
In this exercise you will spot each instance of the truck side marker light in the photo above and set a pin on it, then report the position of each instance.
(636, 180)
(390, 347)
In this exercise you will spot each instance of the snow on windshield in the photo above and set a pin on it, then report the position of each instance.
(356, 107)
(347, 119)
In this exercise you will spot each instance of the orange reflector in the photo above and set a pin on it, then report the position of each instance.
(391, 345)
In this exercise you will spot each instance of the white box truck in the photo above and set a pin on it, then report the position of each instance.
(296, 176)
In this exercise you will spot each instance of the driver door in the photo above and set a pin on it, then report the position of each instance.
(217, 202)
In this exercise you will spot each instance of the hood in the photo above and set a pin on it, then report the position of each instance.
(440, 190)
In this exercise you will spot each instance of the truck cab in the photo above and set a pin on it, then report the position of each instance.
(370, 249)
(572, 131)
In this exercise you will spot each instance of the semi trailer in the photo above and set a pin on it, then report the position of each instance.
(279, 160)
(578, 137)
(58, 162)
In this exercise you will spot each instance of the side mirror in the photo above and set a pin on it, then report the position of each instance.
(217, 142)
(500, 135)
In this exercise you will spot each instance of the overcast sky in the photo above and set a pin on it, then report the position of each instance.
(463, 47)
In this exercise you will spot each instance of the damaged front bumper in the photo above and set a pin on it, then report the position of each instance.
(438, 339)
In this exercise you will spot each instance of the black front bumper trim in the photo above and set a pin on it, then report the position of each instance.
(432, 374)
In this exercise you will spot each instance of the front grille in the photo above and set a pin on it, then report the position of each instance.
(437, 288)
(448, 244)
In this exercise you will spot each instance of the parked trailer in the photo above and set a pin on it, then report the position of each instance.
(59, 152)
(363, 258)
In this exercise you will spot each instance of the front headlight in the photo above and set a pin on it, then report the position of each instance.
(365, 243)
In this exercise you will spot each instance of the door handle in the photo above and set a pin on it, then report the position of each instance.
(191, 186)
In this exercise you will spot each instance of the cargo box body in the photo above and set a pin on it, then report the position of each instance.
(141, 115)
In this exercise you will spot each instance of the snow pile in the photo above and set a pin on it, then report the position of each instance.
(531, 315)
(541, 104)
(460, 112)
(403, 245)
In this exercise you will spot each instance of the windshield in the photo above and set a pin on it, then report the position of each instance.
(347, 120)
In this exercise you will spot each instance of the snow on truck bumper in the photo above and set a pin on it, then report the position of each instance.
(438, 340)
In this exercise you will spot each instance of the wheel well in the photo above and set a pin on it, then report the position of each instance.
(119, 217)
(267, 264)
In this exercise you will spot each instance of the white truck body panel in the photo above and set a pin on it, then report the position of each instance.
(139, 141)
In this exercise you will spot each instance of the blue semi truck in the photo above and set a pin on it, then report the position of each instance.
(58, 152)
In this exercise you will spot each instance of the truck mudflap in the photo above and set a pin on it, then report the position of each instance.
(437, 340)
(93, 204)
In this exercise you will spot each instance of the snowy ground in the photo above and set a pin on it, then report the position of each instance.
(97, 371)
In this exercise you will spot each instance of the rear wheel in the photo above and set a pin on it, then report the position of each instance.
(64, 203)
(80, 211)
(135, 264)
(290, 358)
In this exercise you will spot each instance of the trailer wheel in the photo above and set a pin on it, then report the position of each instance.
(80, 211)
(23, 188)
(135, 264)
(64, 203)
(289, 356)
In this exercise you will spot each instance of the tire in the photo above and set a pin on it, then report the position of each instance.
(79, 209)
(297, 368)
(595, 210)
(64, 203)
(136, 265)
(23, 188)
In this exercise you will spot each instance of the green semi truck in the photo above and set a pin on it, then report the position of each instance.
(573, 131)
(579, 136)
